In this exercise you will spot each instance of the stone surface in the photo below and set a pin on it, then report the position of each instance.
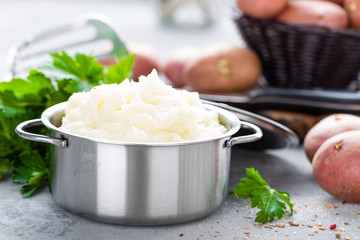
(39, 218)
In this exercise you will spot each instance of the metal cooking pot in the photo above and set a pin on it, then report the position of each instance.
(138, 183)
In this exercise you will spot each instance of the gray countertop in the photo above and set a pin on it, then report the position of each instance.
(40, 218)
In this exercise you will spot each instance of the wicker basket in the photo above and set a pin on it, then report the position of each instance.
(303, 56)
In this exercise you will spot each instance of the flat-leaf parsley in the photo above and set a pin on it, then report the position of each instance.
(263, 197)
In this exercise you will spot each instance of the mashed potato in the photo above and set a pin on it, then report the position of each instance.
(144, 111)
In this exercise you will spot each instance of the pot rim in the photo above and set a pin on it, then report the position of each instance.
(235, 124)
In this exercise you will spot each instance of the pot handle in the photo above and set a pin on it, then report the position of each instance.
(60, 142)
(247, 138)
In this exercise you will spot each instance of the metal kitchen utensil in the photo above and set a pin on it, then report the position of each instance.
(315, 100)
(139, 183)
(92, 33)
(275, 135)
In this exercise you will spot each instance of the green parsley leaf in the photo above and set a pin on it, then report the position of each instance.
(262, 196)
(24, 99)
(82, 68)
(33, 172)
(122, 70)
(5, 167)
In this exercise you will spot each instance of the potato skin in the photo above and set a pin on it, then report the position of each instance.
(145, 59)
(322, 13)
(223, 68)
(336, 166)
(353, 9)
(262, 9)
(175, 64)
(326, 128)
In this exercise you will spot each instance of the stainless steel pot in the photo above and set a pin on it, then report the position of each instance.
(138, 183)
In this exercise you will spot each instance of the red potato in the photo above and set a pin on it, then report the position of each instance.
(320, 13)
(326, 128)
(223, 68)
(262, 9)
(146, 59)
(174, 66)
(353, 9)
(336, 166)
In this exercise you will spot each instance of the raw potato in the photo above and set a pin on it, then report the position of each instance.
(262, 9)
(353, 8)
(320, 13)
(146, 59)
(336, 166)
(223, 68)
(326, 128)
(174, 66)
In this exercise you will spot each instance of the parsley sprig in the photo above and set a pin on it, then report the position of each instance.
(24, 99)
(263, 197)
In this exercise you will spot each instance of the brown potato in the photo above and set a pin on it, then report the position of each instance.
(223, 68)
(174, 66)
(322, 13)
(262, 9)
(353, 9)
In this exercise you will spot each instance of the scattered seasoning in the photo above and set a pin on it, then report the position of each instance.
(346, 238)
(315, 231)
(181, 235)
(280, 225)
(245, 238)
(247, 206)
(236, 210)
(338, 235)
(342, 229)
(359, 227)
(20, 234)
(346, 223)
(321, 228)
(292, 224)
(343, 202)
(358, 214)
(319, 224)
(311, 234)
(309, 226)
(286, 235)
(332, 226)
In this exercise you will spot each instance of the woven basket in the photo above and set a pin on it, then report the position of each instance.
(303, 56)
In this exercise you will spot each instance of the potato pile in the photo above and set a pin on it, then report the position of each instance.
(333, 147)
(214, 68)
(335, 14)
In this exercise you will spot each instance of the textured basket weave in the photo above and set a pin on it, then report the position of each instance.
(303, 56)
